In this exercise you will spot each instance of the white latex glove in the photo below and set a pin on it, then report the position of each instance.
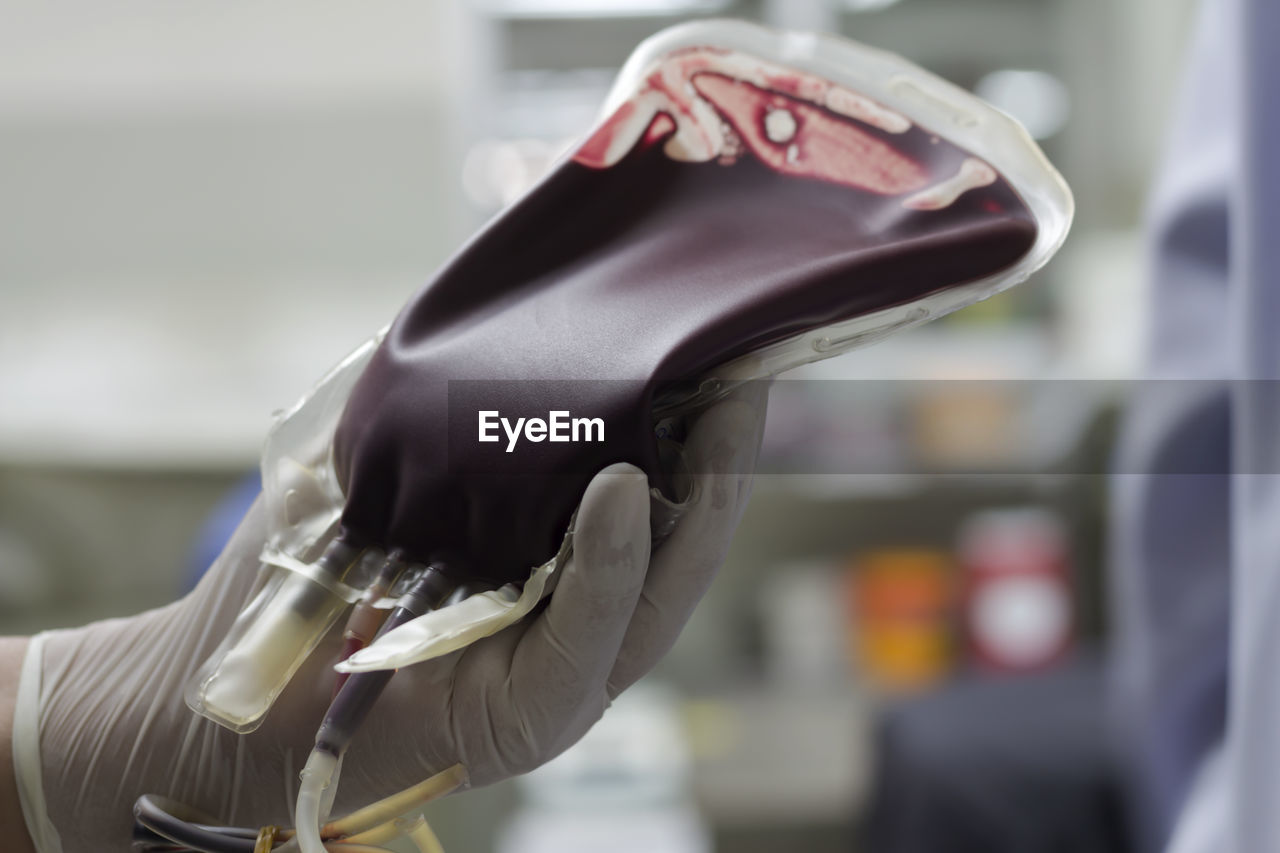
(113, 724)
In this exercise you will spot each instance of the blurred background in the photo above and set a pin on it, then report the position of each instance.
(204, 206)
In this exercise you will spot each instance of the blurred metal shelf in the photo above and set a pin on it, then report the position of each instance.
(569, 9)
(768, 755)
(151, 375)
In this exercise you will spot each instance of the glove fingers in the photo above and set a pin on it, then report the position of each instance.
(722, 450)
(567, 653)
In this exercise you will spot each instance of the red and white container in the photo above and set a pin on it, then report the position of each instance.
(1017, 607)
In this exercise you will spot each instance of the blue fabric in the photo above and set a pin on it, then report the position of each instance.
(1197, 556)
(1171, 531)
(217, 529)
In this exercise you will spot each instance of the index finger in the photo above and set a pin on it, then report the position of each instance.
(722, 451)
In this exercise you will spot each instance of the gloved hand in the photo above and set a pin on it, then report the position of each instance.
(113, 724)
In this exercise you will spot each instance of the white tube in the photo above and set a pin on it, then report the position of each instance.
(266, 645)
(317, 775)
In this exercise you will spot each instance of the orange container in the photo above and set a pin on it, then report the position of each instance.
(902, 602)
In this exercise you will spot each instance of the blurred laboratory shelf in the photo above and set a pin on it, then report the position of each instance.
(151, 384)
(955, 39)
(1095, 330)
(791, 517)
(773, 768)
(779, 755)
(597, 9)
(80, 544)
(203, 210)
(1006, 350)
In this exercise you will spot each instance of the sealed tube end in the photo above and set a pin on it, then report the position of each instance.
(267, 644)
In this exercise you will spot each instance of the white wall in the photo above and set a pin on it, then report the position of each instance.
(203, 205)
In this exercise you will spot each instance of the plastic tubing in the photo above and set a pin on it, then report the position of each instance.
(419, 832)
(160, 829)
(316, 776)
(397, 804)
(365, 620)
(358, 695)
(377, 835)
(155, 813)
(349, 709)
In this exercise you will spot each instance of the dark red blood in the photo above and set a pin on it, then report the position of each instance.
(595, 150)
(661, 126)
(826, 146)
(788, 83)
(639, 274)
